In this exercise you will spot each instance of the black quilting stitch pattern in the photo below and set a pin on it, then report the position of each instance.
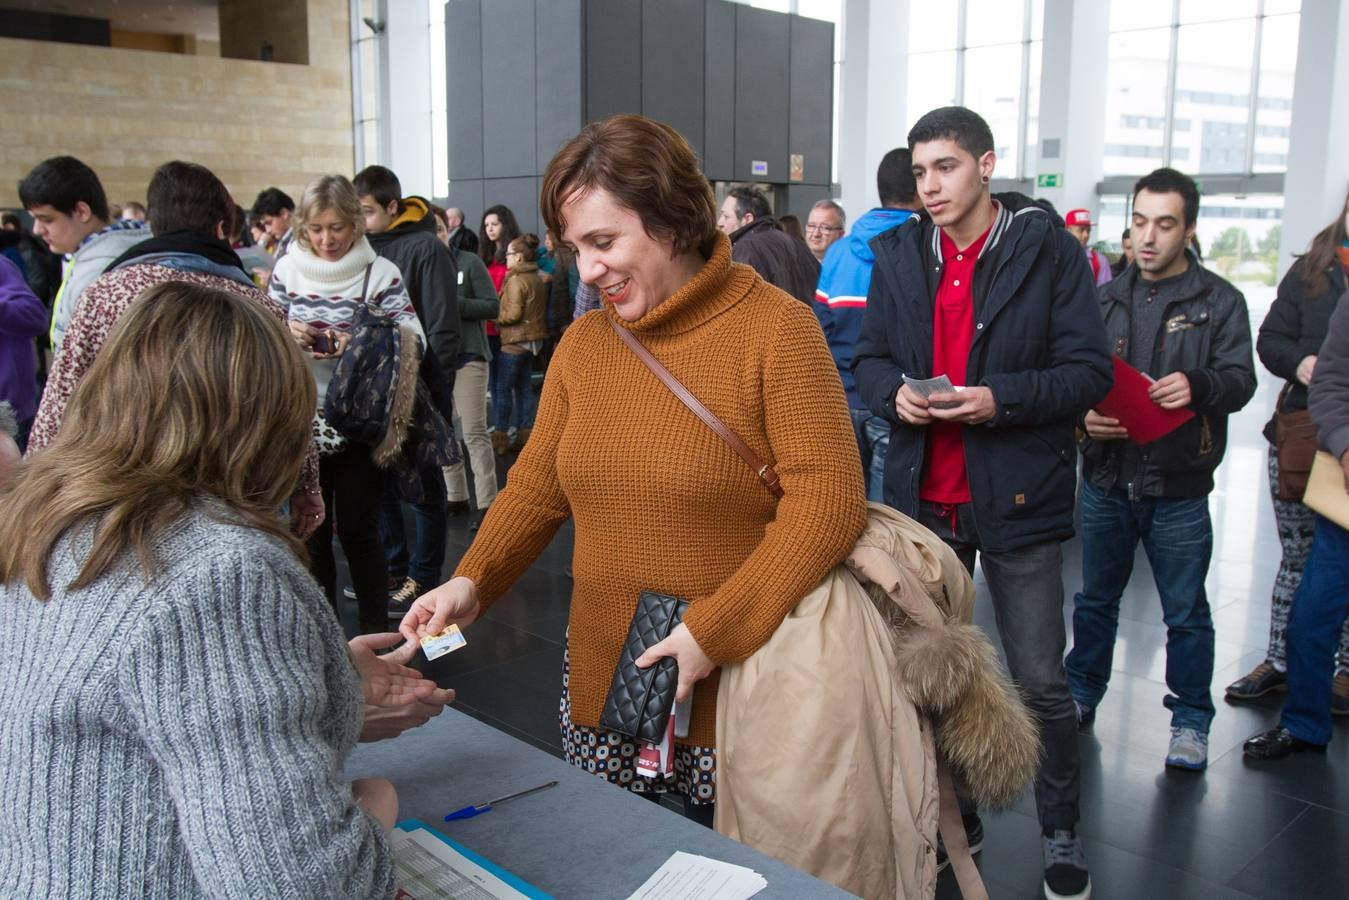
(640, 700)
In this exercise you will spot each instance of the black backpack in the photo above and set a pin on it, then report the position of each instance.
(376, 398)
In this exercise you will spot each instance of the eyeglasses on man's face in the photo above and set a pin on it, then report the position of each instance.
(822, 229)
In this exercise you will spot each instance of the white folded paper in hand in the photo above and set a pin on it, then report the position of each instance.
(926, 387)
(687, 876)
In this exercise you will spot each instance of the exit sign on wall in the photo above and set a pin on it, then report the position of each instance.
(1052, 181)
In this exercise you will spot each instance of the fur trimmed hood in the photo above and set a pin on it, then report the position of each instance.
(946, 665)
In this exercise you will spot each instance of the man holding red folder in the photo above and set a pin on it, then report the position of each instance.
(1173, 320)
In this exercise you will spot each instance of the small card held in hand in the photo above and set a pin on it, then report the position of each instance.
(437, 645)
(926, 387)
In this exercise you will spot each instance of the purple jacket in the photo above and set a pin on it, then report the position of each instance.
(22, 318)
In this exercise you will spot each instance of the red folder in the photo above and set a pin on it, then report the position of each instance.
(1129, 402)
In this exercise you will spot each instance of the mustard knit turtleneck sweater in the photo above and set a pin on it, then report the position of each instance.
(660, 502)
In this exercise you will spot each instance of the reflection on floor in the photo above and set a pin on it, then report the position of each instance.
(1277, 830)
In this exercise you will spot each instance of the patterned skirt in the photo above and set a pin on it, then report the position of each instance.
(613, 756)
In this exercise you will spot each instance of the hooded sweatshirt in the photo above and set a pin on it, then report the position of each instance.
(431, 279)
(96, 252)
(841, 297)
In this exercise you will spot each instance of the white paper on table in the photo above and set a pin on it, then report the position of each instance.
(429, 869)
(687, 876)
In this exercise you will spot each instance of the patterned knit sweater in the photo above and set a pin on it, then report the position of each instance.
(181, 738)
(659, 501)
(101, 306)
(326, 294)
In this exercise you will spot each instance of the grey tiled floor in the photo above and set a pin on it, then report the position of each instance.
(1239, 830)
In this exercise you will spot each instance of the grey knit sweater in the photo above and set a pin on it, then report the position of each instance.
(182, 738)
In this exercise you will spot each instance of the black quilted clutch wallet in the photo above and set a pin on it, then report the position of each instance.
(640, 700)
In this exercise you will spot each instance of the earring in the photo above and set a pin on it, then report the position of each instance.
(984, 179)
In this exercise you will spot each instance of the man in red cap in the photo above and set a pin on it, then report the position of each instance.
(1079, 223)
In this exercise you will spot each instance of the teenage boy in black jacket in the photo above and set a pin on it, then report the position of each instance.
(403, 231)
(995, 294)
(1181, 324)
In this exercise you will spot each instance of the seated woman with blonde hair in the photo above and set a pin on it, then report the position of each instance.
(176, 698)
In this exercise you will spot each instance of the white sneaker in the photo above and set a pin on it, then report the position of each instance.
(1189, 749)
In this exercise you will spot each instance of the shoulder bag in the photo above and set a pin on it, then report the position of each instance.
(1295, 447)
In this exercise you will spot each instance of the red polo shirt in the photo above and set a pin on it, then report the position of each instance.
(944, 478)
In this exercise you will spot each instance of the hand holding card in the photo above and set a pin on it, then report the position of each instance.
(926, 387)
(447, 641)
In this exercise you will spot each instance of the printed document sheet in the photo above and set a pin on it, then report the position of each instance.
(686, 876)
(429, 867)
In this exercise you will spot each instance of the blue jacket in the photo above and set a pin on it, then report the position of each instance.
(1039, 345)
(841, 296)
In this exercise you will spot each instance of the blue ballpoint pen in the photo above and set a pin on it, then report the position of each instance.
(469, 812)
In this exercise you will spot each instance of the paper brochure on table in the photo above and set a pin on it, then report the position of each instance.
(687, 876)
(430, 866)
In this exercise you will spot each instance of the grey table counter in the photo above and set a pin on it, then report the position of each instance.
(583, 838)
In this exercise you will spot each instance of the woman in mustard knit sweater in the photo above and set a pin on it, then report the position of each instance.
(660, 502)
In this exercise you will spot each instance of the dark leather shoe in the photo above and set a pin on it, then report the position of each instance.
(1276, 744)
(1257, 683)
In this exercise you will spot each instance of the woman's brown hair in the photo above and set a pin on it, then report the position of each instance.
(1322, 253)
(197, 393)
(649, 168)
(527, 245)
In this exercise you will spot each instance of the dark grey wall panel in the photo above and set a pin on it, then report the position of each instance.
(508, 52)
(464, 94)
(811, 119)
(719, 91)
(613, 64)
(801, 197)
(672, 70)
(520, 194)
(762, 47)
(557, 30)
(467, 195)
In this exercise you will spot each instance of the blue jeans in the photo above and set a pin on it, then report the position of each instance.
(1177, 536)
(1314, 623)
(873, 442)
(1026, 585)
(427, 558)
(513, 400)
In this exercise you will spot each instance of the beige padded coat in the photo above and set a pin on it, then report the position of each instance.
(835, 738)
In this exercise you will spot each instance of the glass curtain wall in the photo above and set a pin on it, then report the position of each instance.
(983, 54)
(1205, 86)
(365, 83)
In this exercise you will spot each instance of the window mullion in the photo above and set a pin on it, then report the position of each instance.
(1023, 112)
(1253, 108)
(1172, 63)
(961, 11)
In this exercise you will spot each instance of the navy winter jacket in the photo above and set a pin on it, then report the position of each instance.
(1039, 345)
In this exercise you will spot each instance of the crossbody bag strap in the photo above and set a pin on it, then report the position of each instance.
(365, 284)
(767, 474)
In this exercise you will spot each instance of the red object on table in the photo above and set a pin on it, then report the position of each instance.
(1129, 402)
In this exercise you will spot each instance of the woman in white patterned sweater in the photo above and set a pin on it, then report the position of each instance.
(329, 272)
